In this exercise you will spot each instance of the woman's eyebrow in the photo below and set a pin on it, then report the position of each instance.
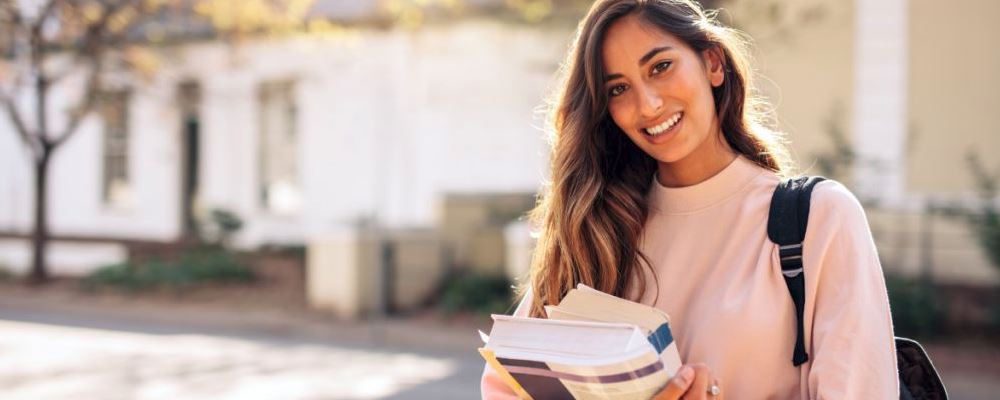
(642, 60)
(652, 53)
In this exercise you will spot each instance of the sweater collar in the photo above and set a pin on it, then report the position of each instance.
(724, 184)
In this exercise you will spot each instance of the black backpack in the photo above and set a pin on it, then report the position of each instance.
(786, 227)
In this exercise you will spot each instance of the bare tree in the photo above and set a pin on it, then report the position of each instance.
(45, 42)
(34, 32)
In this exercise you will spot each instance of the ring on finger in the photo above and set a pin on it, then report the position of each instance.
(714, 390)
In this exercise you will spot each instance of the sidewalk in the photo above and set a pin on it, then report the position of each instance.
(141, 348)
(120, 311)
(58, 346)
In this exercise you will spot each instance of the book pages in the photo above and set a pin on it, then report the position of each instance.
(592, 346)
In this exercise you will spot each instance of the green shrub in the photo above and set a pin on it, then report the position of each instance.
(918, 310)
(204, 265)
(985, 222)
(218, 227)
(476, 292)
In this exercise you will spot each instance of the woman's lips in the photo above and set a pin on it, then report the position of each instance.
(665, 135)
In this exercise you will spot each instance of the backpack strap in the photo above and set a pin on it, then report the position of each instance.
(786, 227)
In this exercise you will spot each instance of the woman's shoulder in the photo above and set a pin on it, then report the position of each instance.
(832, 197)
(827, 196)
(834, 210)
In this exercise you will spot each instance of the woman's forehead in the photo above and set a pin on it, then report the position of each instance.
(630, 38)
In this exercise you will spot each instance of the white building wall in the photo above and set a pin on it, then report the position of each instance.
(388, 122)
(15, 180)
(880, 106)
(75, 200)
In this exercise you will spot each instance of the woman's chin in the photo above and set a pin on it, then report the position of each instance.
(670, 156)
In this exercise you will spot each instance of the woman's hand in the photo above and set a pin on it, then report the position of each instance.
(692, 382)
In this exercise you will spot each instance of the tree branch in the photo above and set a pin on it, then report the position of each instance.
(95, 41)
(86, 105)
(37, 46)
(96, 38)
(10, 15)
(45, 13)
(22, 130)
(10, 9)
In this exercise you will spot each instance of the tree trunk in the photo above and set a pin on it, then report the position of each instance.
(40, 237)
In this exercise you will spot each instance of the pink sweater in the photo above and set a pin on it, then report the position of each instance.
(720, 282)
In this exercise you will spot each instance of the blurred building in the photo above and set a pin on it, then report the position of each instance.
(298, 136)
(901, 91)
(434, 127)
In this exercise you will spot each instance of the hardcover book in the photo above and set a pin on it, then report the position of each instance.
(592, 345)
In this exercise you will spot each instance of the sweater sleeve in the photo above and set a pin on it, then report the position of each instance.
(850, 339)
(492, 385)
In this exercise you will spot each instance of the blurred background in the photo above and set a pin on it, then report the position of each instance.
(326, 198)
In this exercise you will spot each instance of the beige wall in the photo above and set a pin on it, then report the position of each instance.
(342, 273)
(953, 99)
(954, 93)
(473, 227)
(953, 82)
(807, 62)
(344, 270)
(419, 267)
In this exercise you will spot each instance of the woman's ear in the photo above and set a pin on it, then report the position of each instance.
(715, 67)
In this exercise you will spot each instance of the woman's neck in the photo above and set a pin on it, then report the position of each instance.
(704, 162)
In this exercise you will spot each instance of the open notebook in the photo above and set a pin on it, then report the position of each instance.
(592, 346)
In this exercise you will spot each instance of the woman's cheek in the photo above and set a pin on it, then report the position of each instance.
(623, 115)
(618, 117)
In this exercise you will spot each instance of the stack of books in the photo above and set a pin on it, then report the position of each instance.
(592, 346)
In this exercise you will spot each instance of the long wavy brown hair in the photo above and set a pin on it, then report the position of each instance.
(590, 216)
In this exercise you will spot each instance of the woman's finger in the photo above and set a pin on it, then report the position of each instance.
(678, 385)
(715, 383)
(699, 388)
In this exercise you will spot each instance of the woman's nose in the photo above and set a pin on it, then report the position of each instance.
(650, 102)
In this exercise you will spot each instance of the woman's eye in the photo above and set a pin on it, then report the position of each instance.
(659, 67)
(616, 90)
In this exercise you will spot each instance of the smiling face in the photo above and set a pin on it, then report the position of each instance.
(660, 94)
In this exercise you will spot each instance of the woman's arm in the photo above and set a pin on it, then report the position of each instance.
(852, 354)
(492, 385)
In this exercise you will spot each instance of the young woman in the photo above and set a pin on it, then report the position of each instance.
(662, 175)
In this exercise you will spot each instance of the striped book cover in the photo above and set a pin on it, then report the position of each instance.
(591, 346)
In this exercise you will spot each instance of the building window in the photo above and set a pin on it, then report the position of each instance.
(116, 188)
(279, 144)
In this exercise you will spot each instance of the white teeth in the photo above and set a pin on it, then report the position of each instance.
(656, 130)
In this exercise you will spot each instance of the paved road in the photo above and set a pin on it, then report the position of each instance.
(81, 353)
(51, 355)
